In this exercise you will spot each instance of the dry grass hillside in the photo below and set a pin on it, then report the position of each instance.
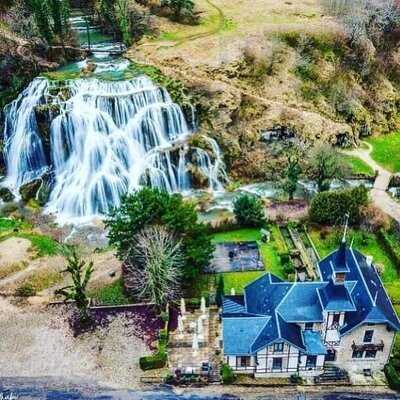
(260, 65)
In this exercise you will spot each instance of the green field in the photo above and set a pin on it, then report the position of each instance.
(386, 151)
(358, 166)
(269, 253)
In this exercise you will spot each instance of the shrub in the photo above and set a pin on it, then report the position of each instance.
(155, 361)
(25, 290)
(159, 359)
(219, 297)
(296, 379)
(249, 211)
(389, 247)
(227, 374)
(374, 219)
(392, 376)
(331, 207)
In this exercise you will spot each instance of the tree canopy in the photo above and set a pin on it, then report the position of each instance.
(148, 207)
(249, 211)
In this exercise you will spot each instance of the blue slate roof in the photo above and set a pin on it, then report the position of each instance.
(340, 264)
(264, 294)
(365, 288)
(240, 333)
(302, 303)
(336, 297)
(271, 310)
(313, 343)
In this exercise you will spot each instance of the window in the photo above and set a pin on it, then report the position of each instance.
(368, 336)
(336, 318)
(357, 354)
(244, 362)
(278, 347)
(370, 354)
(311, 361)
(309, 326)
(330, 355)
(340, 277)
(277, 363)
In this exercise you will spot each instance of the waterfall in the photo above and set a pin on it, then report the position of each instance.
(108, 138)
(25, 157)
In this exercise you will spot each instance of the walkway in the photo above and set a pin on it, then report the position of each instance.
(379, 193)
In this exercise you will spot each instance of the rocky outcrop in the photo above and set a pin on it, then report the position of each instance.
(250, 128)
(29, 190)
(37, 189)
(6, 195)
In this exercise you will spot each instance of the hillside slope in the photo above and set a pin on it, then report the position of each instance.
(268, 66)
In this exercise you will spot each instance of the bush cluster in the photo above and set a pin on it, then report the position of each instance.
(158, 359)
(392, 376)
(392, 251)
(227, 374)
(249, 211)
(331, 207)
(148, 207)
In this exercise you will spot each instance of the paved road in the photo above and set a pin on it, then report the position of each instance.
(379, 193)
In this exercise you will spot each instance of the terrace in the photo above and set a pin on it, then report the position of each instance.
(236, 257)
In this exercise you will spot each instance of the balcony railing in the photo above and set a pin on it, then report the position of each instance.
(368, 346)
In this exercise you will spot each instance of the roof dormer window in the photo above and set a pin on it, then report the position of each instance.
(340, 277)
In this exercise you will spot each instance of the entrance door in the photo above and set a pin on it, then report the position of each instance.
(331, 355)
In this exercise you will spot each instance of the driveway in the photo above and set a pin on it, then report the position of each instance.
(379, 194)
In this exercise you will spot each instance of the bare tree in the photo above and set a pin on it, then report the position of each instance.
(325, 163)
(154, 268)
(365, 19)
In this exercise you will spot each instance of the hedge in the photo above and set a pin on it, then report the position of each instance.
(159, 359)
(392, 376)
(331, 207)
(389, 248)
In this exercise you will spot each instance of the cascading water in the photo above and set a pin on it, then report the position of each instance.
(108, 138)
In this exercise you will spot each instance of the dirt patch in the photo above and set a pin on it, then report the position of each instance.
(39, 343)
(14, 250)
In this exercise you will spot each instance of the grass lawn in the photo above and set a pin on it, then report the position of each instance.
(43, 245)
(358, 166)
(269, 253)
(112, 294)
(386, 150)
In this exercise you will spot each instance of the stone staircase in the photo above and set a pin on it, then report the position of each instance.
(332, 375)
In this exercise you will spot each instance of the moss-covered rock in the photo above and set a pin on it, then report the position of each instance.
(6, 194)
(29, 190)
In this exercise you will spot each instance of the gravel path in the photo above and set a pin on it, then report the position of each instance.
(379, 193)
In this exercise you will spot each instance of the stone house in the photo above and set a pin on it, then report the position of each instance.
(344, 319)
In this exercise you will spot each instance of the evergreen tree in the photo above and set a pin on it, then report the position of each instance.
(60, 12)
(249, 211)
(292, 174)
(219, 297)
(41, 13)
